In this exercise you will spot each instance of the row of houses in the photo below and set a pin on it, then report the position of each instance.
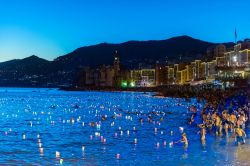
(116, 76)
(227, 65)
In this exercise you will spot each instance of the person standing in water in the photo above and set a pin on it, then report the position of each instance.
(218, 124)
(240, 134)
(233, 121)
(202, 132)
(226, 126)
(183, 140)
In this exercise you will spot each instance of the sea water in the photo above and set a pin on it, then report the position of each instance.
(52, 127)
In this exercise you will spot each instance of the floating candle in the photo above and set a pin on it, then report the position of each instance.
(117, 156)
(57, 154)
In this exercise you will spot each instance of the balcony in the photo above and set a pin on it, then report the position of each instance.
(229, 78)
(230, 68)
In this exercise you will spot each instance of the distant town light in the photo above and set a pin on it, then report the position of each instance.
(132, 84)
(124, 84)
(235, 58)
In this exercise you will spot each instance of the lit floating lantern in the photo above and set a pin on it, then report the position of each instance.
(24, 136)
(157, 144)
(39, 140)
(121, 132)
(57, 154)
(135, 141)
(164, 143)
(134, 128)
(117, 156)
(10, 130)
(90, 137)
(171, 132)
(181, 129)
(171, 144)
(38, 135)
(101, 138)
(98, 126)
(6, 133)
(83, 148)
(119, 128)
(155, 130)
(115, 135)
(161, 132)
(82, 123)
(128, 132)
(41, 150)
(40, 145)
(104, 140)
(61, 161)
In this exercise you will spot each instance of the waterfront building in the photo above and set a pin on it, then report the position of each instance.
(219, 50)
(197, 69)
(104, 75)
(211, 69)
(143, 77)
(135, 77)
(161, 74)
(216, 51)
(182, 77)
(203, 70)
(170, 75)
(189, 72)
(234, 64)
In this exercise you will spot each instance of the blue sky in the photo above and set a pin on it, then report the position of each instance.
(50, 28)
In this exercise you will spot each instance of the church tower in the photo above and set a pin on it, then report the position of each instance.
(116, 63)
(116, 67)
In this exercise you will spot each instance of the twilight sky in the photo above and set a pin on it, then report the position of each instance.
(50, 28)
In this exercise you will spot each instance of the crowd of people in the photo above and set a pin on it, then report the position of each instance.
(226, 112)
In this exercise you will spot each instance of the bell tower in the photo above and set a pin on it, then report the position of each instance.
(117, 70)
(116, 64)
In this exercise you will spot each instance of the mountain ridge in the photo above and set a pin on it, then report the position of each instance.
(65, 69)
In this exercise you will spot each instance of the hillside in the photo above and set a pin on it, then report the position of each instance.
(63, 70)
(186, 47)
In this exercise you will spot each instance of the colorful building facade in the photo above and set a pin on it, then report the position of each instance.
(226, 66)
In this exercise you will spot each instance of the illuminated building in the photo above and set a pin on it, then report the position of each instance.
(143, 77)
(170, 75)
(197, 69)
(235, 66)
(182, 76)
(189, 72)
(211, 69)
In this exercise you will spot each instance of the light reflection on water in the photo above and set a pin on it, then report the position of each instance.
(25, 113)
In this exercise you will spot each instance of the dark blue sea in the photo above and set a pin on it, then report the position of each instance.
(104, 128)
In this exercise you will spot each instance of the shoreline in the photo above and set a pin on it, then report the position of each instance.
(209, 94)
